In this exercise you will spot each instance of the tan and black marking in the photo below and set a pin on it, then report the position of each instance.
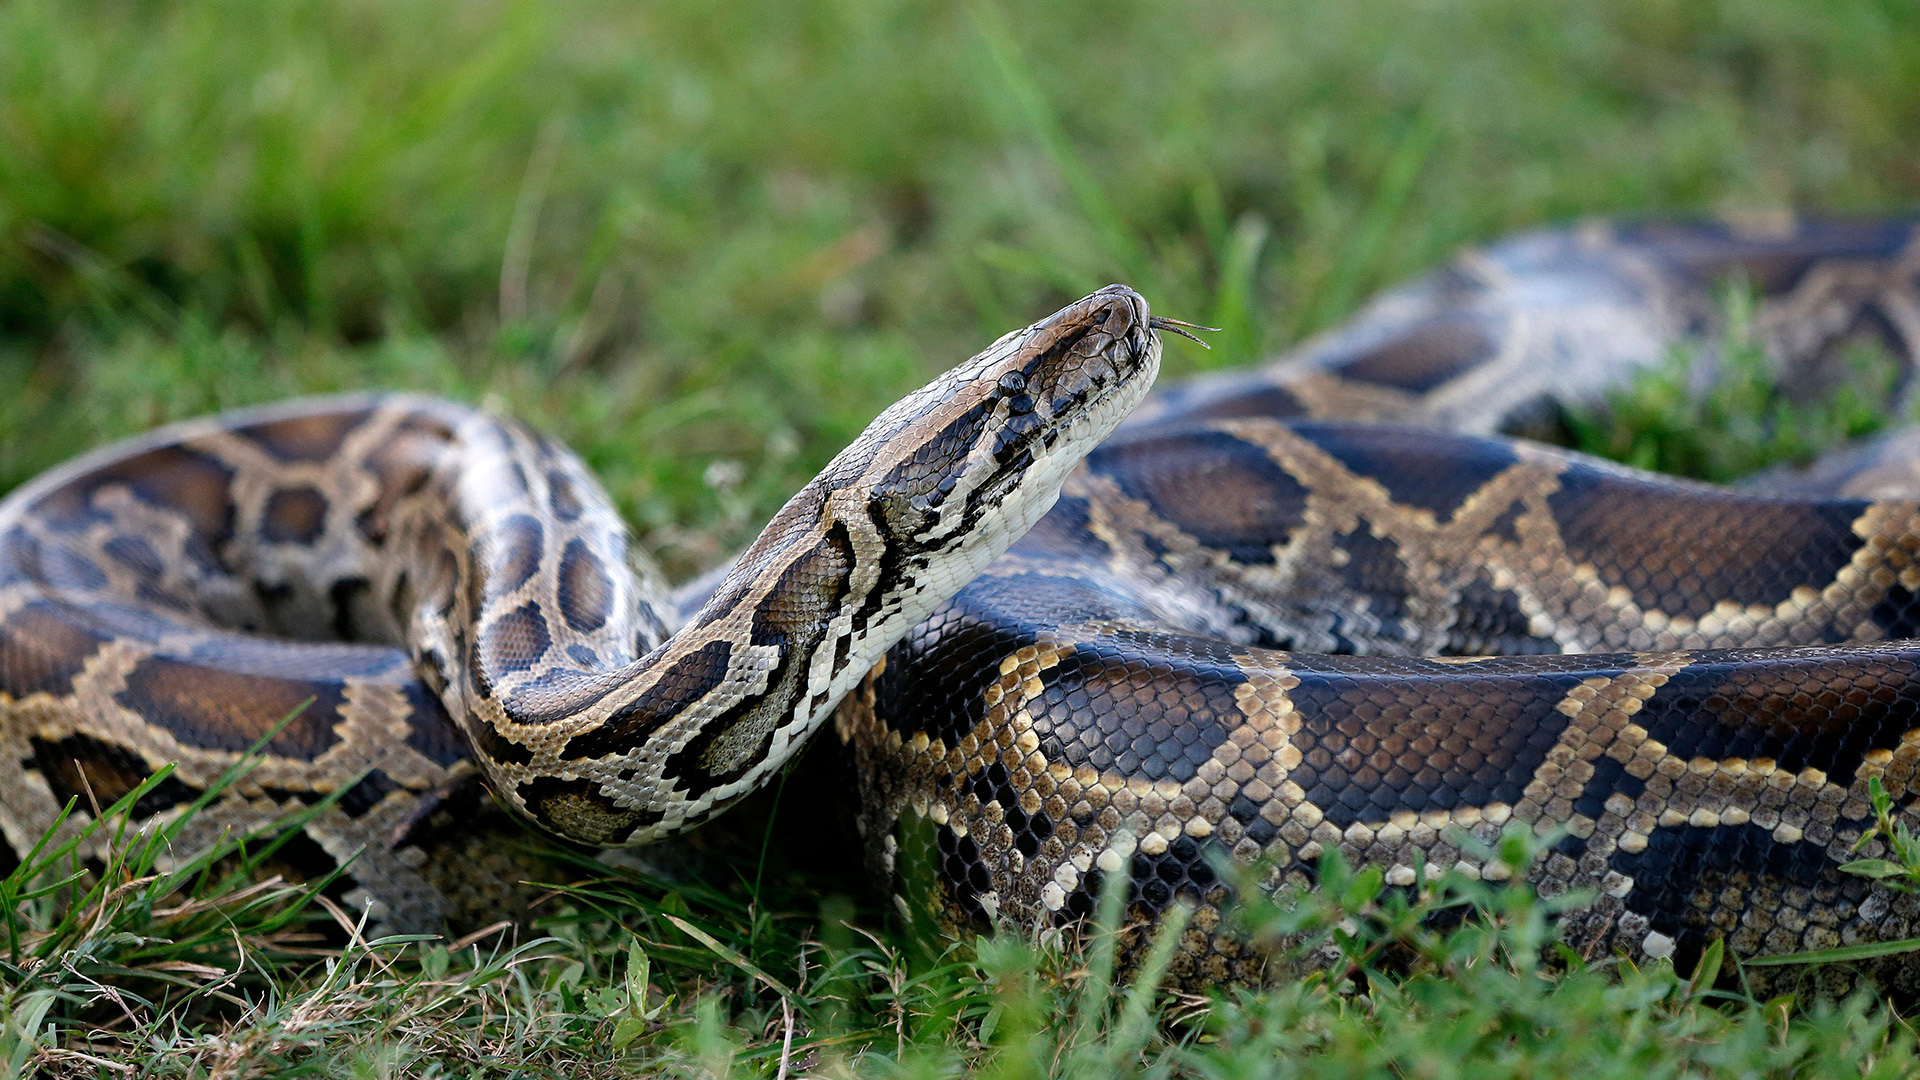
(427, 594)
(1257, 625)
(1251, 631)
(1504, 337)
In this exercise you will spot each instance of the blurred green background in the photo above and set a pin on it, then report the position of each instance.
(687, 234)
(705, 243)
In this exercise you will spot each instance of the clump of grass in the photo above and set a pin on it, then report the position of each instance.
(1455, 977)
(1895, 835)
(1462, 977)
(1888, 853)
(1741, 421)
(106, 932)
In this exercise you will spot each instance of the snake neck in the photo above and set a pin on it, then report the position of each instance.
(552, 654)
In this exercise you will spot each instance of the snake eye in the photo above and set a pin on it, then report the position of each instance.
(1013, 383)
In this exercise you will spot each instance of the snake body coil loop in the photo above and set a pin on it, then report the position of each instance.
(1249, 628)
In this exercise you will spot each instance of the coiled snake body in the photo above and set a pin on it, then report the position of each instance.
(1243, 629)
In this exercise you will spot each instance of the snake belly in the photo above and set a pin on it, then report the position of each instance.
(1246, 628)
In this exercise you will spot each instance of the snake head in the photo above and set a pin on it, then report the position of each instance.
(948, 477)
(976, 457)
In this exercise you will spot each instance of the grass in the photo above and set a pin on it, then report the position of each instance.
(1743, 423)
(205, 969)
(677, 236)
(704, 244)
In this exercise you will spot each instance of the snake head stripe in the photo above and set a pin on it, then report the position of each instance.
(999, 433)
(639, 746)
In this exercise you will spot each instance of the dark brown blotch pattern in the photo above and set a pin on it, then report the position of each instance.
(64, 567)
(197, 486)
(514, 641)
(918, 485)
(317, 437)
(94, 772)
(1683, 549)
(136, 554)
(43, 648)
(562, 497)
(1431, 470)
(1424, 356)
(403, 465)
(691, 678)
(1129, 711)
(430, 731)
(1822, 715)
(699, 767)
(512, 554)
(1225, 493)
(206, 706)
(809, 592)
(294, 516)
(585, 589)
(1382, 735)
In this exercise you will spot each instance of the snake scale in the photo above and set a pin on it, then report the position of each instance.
(1320, 605)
